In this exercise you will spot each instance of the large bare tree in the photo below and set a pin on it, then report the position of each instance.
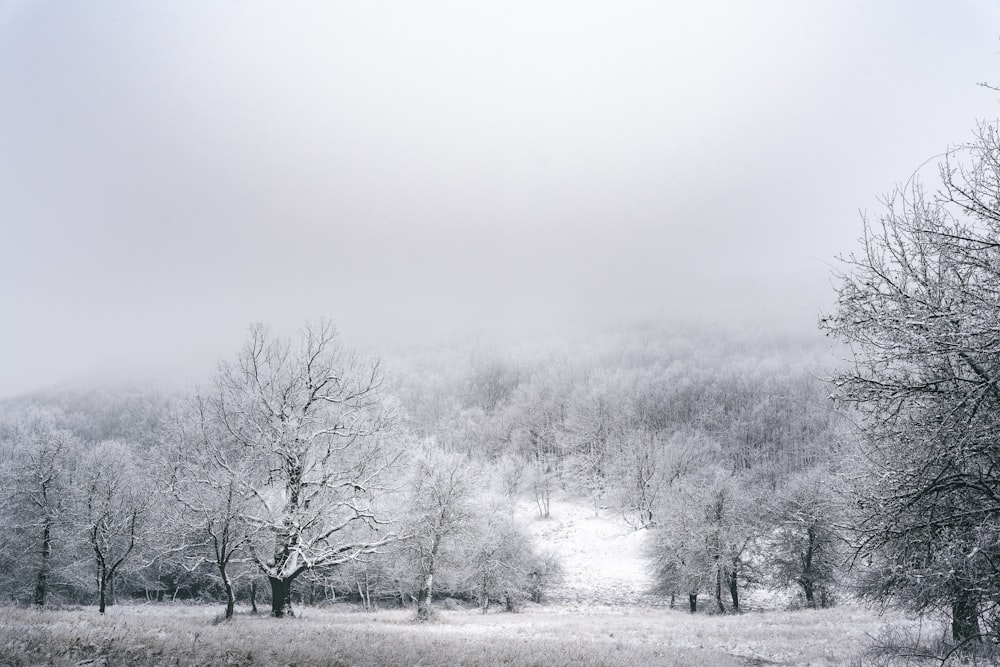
(309, 415)
(919, 305)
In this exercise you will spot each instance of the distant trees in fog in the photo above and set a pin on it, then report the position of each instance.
(301, 463)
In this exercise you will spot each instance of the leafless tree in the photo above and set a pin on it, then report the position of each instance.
(310, 415)
(442, 510)
(112, 502)
(805, 547)
(704, 540)
(918, 305)
(36, 481)
(210, 476)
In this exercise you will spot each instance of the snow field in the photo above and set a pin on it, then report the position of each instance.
(601, 556)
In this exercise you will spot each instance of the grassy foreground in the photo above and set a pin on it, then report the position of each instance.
(144, 635)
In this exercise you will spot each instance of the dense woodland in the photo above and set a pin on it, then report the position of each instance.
(303, 473)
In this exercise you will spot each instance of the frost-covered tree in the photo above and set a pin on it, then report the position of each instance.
(647, 464)
(441, 511)
(504, 566)
(309, 415)
(919, 305)
(36, 482)
(805, 548)
(113, 499)
(209, 474)
(705, 538)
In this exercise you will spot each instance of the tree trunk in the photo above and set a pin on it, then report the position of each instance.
(41, 585)
(253, 597)
(693, 602)
(281, 597)
(102, 584)
(965, 617)
(807, 570)
(230, 593)
(734, 591)
(424, 602)
(718, 590)
(810, 592)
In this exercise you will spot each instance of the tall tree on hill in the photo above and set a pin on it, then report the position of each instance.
(309, 414)
(919, 305)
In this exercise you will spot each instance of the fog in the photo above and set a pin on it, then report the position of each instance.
(416, 172)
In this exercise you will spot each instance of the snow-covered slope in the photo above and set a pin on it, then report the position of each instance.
(601, 556)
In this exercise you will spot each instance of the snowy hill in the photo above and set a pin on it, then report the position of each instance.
(601, 556)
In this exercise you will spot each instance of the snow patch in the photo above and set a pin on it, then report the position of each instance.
(601, 556)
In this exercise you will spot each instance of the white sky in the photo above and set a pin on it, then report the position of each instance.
(172, 171)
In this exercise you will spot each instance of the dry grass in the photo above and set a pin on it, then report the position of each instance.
(145, 635)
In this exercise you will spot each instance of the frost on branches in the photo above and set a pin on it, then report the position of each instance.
(919, 306)
(309, 416)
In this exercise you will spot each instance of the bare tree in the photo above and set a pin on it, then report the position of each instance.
(210, 476)
(647, 464)
(503, 565)
(309, 414)
(37, 482)
(918, 307)
(112, 502)
(705, 538)
(805, 547)
(442, 510)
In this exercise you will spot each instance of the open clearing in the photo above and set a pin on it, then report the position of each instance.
(140, 635)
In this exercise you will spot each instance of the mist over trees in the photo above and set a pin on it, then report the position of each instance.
(395, 483)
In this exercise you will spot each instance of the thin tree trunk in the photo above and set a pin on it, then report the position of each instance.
(718, 590)
(693, 602)
(102, 583)
(253, 597)
(41, 585)
(424, 603)
(230, 593)
(734, 591)
(807, 569)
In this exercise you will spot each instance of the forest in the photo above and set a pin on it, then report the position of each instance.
(304, 474)
(364, 334)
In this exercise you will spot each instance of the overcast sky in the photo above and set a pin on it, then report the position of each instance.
(171, 172)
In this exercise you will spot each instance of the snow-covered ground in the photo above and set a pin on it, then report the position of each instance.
(601, 556)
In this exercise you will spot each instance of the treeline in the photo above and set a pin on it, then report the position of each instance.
(301, 462)
(724, 445)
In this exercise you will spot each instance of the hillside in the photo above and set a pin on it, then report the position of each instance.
(600, 554)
